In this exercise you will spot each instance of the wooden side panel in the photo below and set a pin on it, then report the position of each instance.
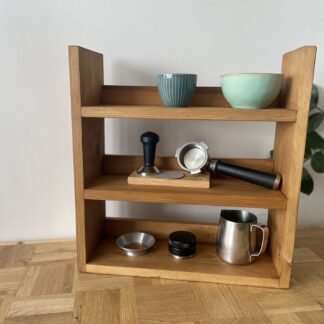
(298, 69)
(160, 229)
(86, 80)
(149, 96)
(125, 164)
(94, 218)
(93, 148)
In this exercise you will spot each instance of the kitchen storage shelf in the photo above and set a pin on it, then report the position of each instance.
(100, 177)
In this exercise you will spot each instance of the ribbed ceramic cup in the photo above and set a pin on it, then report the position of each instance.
(176, 89)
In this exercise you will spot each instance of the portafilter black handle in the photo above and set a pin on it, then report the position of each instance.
(264, 179)
(149, 140)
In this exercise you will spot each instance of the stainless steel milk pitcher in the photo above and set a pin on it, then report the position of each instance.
(237, 237)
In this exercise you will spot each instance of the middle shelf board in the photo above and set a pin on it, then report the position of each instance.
(223, 192)
(190, 113)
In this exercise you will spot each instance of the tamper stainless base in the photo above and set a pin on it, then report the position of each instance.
(148, 170)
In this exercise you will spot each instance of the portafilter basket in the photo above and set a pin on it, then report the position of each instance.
(193, 157)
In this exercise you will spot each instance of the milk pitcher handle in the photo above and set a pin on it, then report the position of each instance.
(265, 236)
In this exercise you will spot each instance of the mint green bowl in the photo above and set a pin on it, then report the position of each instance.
(251, 90)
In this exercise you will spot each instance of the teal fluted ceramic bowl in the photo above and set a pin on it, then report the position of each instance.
(176, 89)
(251, 90)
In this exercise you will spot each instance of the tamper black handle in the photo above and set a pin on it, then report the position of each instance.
(264, 179)
(149, 140)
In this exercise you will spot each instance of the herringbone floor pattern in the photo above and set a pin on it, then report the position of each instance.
(39, 283)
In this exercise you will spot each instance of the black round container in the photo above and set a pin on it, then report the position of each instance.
(182, 244)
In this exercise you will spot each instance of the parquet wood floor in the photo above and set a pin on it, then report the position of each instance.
(39, 283)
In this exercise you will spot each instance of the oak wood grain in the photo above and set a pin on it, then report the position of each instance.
(223, 192)
(149, 96)
(188, 181)
(86, 80)
(125, 164)
(204, 232)
(298, 69)
(191, 113)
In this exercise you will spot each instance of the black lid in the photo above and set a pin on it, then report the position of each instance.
(182, 240)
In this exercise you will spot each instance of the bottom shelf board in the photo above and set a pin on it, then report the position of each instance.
(204, 266)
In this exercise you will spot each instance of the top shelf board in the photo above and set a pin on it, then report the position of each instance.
(191, 113)
(208, 103)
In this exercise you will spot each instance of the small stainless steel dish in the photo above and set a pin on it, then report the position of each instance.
(135, 243)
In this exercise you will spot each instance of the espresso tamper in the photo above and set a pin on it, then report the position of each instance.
(149, 140)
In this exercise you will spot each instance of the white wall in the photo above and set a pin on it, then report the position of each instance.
(139, 39)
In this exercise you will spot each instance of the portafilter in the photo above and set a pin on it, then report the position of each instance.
(193, 157)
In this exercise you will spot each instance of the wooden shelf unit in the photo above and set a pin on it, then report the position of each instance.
(100, 177)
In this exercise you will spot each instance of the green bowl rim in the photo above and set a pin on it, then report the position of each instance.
(251, 73)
